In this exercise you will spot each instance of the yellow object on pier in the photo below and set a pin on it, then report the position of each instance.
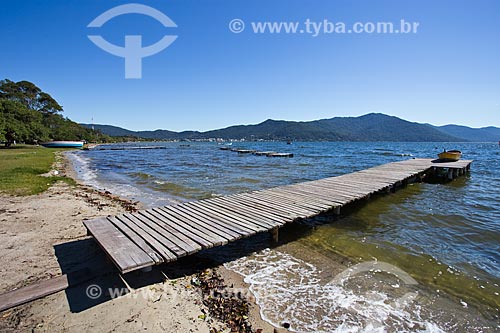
(452, 155)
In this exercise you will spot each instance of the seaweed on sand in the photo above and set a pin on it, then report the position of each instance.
(230, 308)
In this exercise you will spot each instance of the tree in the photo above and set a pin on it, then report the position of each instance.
(27, 114)
(30, 96)
(20, 123)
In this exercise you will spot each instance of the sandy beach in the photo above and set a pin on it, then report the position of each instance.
(42, 237)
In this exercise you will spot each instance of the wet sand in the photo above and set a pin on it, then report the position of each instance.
(42, 237)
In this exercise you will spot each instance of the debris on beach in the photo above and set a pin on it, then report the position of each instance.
(226, 306)
(88, 196)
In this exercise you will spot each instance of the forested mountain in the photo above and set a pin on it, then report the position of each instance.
(27, 114)
(485, 134)
(370, 127)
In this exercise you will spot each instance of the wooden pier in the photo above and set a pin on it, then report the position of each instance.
(164, 234)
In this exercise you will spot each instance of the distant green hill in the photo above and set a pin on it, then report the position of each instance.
(370, 127)
(485, 134)
(111, 130)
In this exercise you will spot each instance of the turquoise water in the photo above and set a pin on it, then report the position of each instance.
(445, 236)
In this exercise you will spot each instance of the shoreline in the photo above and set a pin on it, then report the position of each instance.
(42, 236)
(68, 170)
(143, 197)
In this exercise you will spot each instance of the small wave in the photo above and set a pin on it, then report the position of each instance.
(179, 190)
(248, 180)
(390, 153)
(81, 165)
(290, 290)
(141, 175)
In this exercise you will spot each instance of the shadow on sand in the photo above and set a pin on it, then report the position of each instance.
(91, 275)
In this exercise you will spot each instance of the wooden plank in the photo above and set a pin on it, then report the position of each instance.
(352, 185)
(285, 206)
(222, 218)
(223, 229)
(247, 226)
(327, 200)
(203, 231)
(274, 204)
(373, 187)
(252, 223)
(32, 292)
(137, 238)
(42, 288)
(280, 215)
(170, 240)
(391, 177)
(201, 224)
(385, 174)
(326, 191)
(337, 201)
(332, 191)
(232, 229)
(126, 255)
(166, 224)
(454, 165)
(164, 252)
(331, 185)
(242, 215)
(301, 201)
(272, 208)
(236, 206)
(206, 241)
(275, 216)
(351, 191)
(235, 201)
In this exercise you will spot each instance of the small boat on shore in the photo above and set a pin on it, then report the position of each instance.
(63, 144)
(450, 156)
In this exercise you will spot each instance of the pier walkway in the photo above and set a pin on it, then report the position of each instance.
(164, 234)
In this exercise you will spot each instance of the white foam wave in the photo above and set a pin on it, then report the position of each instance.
(117, 185)
(81, 165)
(290, 290)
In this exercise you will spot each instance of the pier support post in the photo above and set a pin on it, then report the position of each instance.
(450, 174)
(336, 210)
(275, 234)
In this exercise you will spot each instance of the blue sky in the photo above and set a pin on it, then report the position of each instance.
(448, 72)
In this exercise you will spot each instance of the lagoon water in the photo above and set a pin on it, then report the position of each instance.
(446, 237)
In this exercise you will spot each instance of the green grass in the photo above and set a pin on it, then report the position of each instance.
(21, 168)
